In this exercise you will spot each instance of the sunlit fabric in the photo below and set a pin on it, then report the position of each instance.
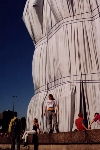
(66, 60)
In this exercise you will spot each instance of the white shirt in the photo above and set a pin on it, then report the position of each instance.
(50, 103)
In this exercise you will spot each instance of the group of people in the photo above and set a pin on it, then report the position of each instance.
(80, 122)
(4, 134)
(50, 110)
(15, 130)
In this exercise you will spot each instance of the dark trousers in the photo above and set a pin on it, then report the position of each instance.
(15, 136)
(52, 116)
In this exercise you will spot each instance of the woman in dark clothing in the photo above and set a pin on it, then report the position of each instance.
(33, 131)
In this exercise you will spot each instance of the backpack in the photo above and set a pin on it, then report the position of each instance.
(16, 125)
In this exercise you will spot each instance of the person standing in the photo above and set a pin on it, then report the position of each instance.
(96, 119)
(50, 108)
(14, 130)
(80, 123)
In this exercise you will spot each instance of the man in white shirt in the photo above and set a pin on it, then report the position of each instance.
(51, 108)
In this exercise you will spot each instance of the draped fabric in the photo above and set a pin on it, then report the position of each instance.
(66, 60)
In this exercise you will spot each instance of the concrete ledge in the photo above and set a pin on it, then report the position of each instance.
(70, 147)
(8, 147)
(5, 140)
(80, 140)
(55, 147)
(80, 137)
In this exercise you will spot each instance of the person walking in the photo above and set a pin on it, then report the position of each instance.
(14, 130)
(50, 108)
(80, 123)
(35, 130)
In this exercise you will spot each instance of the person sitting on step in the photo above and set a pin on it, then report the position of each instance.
(35, 130)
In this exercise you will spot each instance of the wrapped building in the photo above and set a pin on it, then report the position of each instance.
(66, 60)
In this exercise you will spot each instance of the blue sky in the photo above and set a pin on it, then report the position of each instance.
(16, 54)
